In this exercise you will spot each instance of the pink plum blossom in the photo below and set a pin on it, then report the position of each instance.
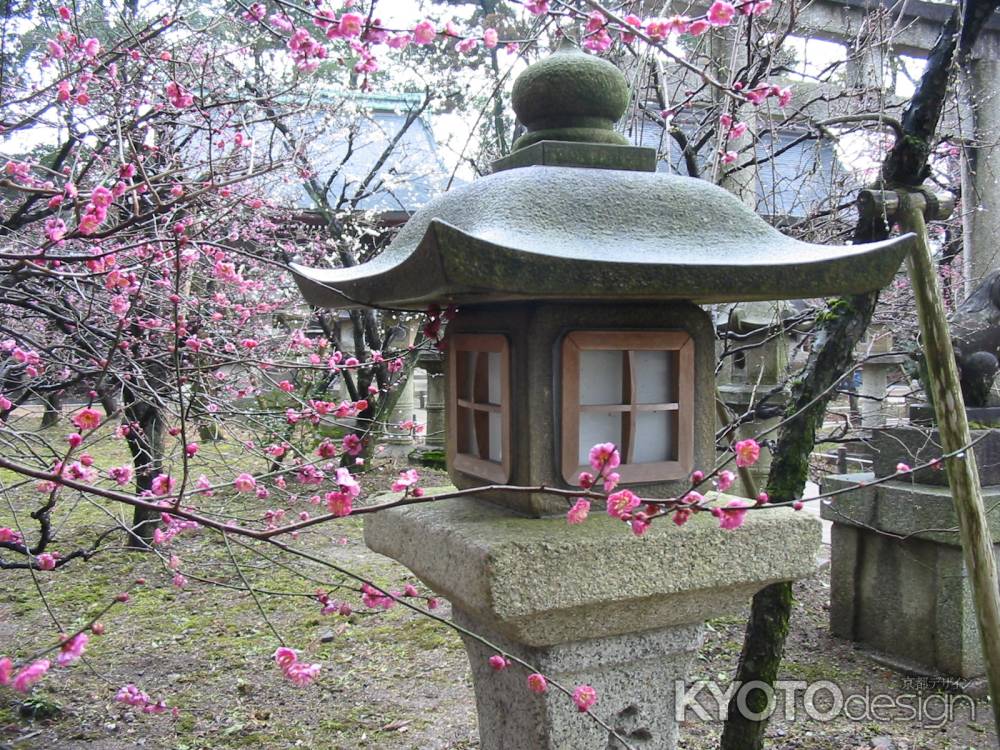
(375, 599)
(537, 683)
(733, 514)
(31, 674)
(639, 524)
(9, 535)
(621, 503)
(699, 27)
(352, 445)
(302, 674)
(725, 480)
(721, 13)
(163, 484)
(87, 419)
(350, 25)
(122, 475)
(604, 456)
(245, 483)
(406, 480)
(72, 649)
(579, 512)
(584, 696)
(424, 33)
(747, 452)
(598, 41)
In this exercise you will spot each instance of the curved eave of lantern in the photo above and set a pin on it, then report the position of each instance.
(585, 234)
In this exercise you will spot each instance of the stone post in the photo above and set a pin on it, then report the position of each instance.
(875, 371)
(404, 406)
(433, 364)
(981, 172)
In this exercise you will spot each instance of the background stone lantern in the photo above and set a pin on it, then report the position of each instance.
(577, 271)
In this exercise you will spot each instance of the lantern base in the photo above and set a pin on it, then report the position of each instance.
(589, 604)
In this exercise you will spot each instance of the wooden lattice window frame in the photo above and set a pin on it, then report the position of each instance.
(630, 342)
(460, 456)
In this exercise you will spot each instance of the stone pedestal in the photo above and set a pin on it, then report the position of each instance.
(587, 604)
(898, 580)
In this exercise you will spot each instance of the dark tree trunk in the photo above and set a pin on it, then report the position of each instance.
(146, 444)
(838, 333)
(53, 409)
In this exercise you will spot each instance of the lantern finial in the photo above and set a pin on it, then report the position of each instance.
(570, 96)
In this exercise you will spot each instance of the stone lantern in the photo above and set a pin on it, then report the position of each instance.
(578, 271)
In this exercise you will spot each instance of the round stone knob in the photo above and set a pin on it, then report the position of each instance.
(570, 96)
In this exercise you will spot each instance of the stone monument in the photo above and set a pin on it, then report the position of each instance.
(577, 271)
(898, 580)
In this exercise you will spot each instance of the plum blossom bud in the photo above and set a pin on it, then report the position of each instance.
(725, 480)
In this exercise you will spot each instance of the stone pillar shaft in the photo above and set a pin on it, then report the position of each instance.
(621, 669)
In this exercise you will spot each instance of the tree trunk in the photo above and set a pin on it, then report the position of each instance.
(838, 332)
(146, 445)
(53, 410)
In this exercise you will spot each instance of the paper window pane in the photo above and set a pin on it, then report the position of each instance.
(467, 431)
(655, 437)
(493, 368)
(598, 427)
(654, 376)
(467, 375)
(496, 454)
(601, 377)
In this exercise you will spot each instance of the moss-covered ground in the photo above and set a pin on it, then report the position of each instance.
(392, 680)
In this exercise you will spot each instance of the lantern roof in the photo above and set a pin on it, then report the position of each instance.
(574, 215)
